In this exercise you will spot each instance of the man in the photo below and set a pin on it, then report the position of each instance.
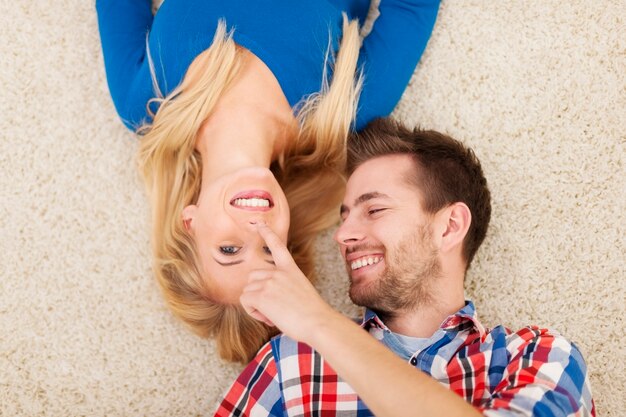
(416, 210)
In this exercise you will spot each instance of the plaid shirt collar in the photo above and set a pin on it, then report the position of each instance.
(464, 319)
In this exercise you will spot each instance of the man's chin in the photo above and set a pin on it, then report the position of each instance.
(365, 284)
(363, 295)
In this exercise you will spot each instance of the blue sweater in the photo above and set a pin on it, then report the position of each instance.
(290, 36)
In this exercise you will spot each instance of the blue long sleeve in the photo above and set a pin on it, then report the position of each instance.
(390, 53)
(289, 36)
(123, 26)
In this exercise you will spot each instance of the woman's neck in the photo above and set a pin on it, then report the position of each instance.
(250, 125)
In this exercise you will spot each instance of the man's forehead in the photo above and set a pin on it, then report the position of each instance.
(382, 177)
(386, 169)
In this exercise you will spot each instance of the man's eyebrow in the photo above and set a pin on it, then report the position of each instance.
(362, 199)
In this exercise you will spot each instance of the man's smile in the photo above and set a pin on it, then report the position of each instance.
(365, 261)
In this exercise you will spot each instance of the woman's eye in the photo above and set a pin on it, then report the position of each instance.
(267, 250)
(229, 250)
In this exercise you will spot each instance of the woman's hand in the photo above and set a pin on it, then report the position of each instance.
(283, 296)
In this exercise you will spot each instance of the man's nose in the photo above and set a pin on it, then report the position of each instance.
(348, 232)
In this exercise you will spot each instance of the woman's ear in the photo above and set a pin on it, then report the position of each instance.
(457, 218)
(188, 215)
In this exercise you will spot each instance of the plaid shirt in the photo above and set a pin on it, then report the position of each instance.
(527, 373)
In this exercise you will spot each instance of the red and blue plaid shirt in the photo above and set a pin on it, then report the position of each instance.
(532, 372)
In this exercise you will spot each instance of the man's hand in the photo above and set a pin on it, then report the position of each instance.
(283, 296)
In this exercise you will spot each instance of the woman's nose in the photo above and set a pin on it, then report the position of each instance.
(249, 226)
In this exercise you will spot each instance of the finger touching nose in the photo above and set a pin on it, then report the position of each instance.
(252, 222)
(280, 253)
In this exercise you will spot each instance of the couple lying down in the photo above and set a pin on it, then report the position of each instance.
(244, 133)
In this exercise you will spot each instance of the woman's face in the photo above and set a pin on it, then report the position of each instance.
(223, 226)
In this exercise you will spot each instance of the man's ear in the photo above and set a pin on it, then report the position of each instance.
(457, 218)
(188, 215)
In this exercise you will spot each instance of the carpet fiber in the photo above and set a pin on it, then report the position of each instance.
(537, 88)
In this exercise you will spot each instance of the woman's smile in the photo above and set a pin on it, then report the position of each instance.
(253, 200)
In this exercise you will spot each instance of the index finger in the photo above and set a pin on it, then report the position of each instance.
(280, 253)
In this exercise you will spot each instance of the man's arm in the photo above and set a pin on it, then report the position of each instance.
(256, 391)
(388, 385)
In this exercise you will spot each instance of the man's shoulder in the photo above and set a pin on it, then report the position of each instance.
(283, 346)
(537, 359)
(532, 340)
(524, 335)
(295, 360)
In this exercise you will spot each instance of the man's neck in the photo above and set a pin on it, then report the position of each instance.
(425, 319)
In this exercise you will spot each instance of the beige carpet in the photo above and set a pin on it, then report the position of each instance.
(537, 87)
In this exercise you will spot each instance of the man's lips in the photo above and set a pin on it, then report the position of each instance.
(357, 261)
(254, 200)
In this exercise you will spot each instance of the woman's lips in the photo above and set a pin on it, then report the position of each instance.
(253, 200)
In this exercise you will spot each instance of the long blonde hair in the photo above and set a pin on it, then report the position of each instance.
(311, 175)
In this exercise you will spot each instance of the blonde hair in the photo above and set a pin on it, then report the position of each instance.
(311, 175)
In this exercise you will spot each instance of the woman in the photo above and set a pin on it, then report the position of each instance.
(243, 115)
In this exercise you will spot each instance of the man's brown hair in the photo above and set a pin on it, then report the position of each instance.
(446, 171)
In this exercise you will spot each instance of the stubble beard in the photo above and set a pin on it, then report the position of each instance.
(405, 284)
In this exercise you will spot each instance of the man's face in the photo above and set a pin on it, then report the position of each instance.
(386, 237)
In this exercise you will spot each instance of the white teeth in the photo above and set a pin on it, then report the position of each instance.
(360, 263)
(252, 202)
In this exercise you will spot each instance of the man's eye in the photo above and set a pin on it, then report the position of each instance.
(229, 250)
(374, 211)
(267, 250)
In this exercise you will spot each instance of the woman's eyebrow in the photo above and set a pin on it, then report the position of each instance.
(228, 263)
(238, 262)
